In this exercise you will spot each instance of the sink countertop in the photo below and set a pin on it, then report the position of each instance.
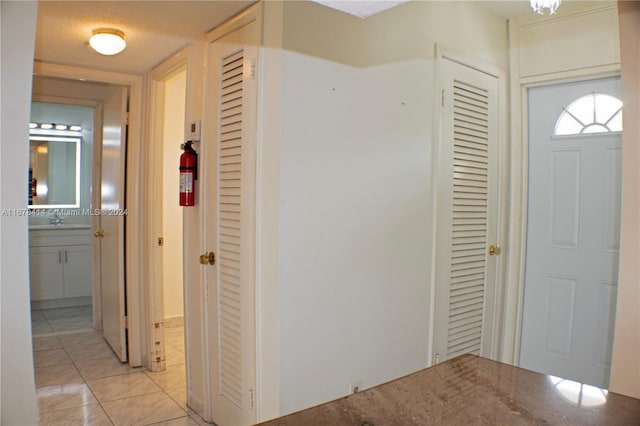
(470, 390)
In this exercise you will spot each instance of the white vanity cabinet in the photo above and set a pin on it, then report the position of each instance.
(60, 263)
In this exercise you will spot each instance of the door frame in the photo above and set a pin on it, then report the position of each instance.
(442, 53)
(519, 192)
(135, 187)
(154, 294)
(96, 170)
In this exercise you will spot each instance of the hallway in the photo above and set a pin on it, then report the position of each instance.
(79, 381)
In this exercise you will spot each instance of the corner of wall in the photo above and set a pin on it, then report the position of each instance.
(625, 369)
(268, 211)
(18, 29)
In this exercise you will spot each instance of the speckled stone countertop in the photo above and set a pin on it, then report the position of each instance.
(469, 390)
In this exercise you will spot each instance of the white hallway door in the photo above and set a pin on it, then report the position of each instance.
(575, 153)
(111, 226)
(467, 212)
(230, 224)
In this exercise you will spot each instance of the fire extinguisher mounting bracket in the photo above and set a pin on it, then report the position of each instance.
(182, 145)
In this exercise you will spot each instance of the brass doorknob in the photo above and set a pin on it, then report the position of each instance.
(208, 258)
(494, 250)
(98, 234)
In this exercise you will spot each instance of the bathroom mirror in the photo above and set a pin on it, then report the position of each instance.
(54, 172)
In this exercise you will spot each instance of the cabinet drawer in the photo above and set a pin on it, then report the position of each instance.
(59, 238)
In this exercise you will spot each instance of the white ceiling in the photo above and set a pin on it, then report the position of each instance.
(154, 30)
(361, 8)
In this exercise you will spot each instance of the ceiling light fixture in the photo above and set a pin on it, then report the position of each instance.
(107, 41)
(539, 6)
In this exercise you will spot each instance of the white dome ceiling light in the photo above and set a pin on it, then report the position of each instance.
(107, 41)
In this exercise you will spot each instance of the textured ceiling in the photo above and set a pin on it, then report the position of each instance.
(361, 8)
(154, 30)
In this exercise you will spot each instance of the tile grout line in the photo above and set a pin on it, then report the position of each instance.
(87, 385)
(186, 411)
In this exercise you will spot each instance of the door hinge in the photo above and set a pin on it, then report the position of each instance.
(442, 98)
(250, 398)
(124, 322)
(253, 68)
(125, 118)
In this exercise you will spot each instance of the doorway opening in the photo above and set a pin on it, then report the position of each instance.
(167, 128)
(61, 144)
(77, 205)
(173, 136)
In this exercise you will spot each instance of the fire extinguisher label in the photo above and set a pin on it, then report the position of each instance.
(186, 182)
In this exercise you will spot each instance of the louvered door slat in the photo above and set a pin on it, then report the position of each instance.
(232, 104)
(234, 96)
(467, 140)
(463, 126)
(470, 98)
(467, 114)
(468, 256)
(229, 193)
(231, 119)
(230, 128)
(469, 216)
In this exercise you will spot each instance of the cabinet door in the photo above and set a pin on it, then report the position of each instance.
(45, 267)
(77, 271)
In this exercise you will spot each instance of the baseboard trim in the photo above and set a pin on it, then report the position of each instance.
(174, 322)
(69, 302)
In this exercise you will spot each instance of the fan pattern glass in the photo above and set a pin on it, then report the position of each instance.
(593, 113)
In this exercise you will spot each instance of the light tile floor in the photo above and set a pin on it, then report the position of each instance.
(79, 381)
(61, 320)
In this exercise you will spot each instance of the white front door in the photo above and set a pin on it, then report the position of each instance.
(573, 230)
(111, 219)
(229, 192)
(467, 212)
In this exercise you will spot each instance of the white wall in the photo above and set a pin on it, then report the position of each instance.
(582, 36)
(356, 189)
(17, 401)
(355, 228)
(625, 366)
(173, 135)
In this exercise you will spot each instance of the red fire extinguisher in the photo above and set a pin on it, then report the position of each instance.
(188, 174)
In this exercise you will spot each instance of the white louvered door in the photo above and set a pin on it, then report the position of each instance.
(467, 212)
(230, 222)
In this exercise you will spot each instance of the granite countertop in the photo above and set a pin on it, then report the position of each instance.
(470, 390)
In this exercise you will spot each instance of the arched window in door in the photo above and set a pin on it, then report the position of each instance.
(593, 113)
